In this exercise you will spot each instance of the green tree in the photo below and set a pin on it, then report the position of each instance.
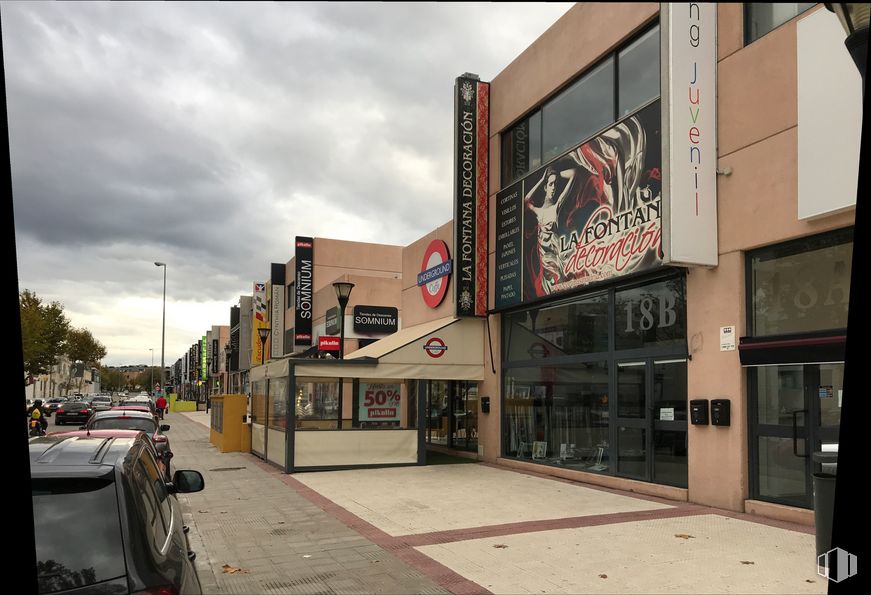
(111, 379)
(83, 348)
(44, 329)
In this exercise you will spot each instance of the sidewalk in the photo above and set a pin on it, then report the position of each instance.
(472, 528)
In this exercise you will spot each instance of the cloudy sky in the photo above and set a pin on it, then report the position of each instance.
(208, 135)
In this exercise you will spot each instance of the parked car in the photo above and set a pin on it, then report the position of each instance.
(72, 412)
(121, 530)
(161, 462)
(140, 402)
(134, 420)
(101, 403)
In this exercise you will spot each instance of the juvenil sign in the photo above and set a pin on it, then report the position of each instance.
(471, 189)
(689, 126)
(304, 284)
(376, 319)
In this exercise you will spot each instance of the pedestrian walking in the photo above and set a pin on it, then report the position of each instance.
(161, 406)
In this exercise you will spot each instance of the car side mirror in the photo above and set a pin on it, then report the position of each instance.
(186, 481)
(164, 427)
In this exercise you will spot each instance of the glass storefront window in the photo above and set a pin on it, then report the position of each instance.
(258, 402)
(558, 415)
(521, 149)
(761, 18)
(801, 286)
(277, 404)
(580, 111)
(378, 404)
(552, 331)
(651, 314)
(638, 73)
(317, 404)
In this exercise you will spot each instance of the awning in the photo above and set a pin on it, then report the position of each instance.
(444, 349)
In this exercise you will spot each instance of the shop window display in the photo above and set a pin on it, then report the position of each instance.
(558, 415)
(317, 405)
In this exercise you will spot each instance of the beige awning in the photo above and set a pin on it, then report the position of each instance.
(454, 351)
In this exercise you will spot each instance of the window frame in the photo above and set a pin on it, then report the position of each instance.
(748, 39)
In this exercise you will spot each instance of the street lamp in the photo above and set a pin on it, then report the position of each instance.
(854, 20)
(228, 352)
(163, 325)
(264, 333)
(343, 294)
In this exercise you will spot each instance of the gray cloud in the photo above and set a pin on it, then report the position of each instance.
(207, 135)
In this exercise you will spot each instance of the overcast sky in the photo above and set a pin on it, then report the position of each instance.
(208, 135)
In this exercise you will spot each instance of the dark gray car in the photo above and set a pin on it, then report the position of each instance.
(105, 519)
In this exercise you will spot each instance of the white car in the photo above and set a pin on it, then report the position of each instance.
(101, 403)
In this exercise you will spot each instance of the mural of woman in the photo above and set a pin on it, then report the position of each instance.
(550, 268)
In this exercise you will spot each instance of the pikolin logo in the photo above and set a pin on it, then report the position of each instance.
(837, 565)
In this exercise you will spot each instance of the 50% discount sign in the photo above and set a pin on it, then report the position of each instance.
(379, 402)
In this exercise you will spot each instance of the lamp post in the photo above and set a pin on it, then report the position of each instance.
(264, 333)
(162, 326)
(228, 351)
(854, 19)
(343, 294)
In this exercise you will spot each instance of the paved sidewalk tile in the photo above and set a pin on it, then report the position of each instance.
(248, 519)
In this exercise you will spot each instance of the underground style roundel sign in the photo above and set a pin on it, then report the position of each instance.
(435, 272)
(435, 347)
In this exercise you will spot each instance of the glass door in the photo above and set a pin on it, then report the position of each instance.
(464, 416)
(652, 420)
(437, 416)
(795, 411)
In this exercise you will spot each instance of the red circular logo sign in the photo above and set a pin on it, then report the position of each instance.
(435, 347)
(434, 291)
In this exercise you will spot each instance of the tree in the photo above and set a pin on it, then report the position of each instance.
(44, 331)
(83, 348)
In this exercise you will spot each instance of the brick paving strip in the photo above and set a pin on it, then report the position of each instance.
(403, 546)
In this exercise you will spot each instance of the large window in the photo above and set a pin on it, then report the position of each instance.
(599, 383)
(277, 403)
(317, 404)
(802, 286)
(616, 86)
(760, 18)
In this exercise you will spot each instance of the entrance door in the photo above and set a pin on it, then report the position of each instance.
(651, 429)
(795, 411)
(464, 416)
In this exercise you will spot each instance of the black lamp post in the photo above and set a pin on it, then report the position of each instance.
(854, 19)
(264, 333)
(228, 352)
(343, 294)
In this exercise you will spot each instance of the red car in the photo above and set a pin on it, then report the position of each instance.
(163, 465)
(122, 419)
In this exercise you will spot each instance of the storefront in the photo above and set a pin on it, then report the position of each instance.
(382, 391)
(798, 296)
(598, 382)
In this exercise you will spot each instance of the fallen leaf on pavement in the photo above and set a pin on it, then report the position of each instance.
(603, 576)
(684, 536)
(747, 562)
(809, 581)
(232, 569)
(500, 545)
(203, 511)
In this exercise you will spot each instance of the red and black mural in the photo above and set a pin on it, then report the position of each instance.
(590, 215)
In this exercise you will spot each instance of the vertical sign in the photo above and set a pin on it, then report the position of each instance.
(509, 246)
(276, 316)
(204, 373)
(689, 97)
(258, 316)
(471, 189)
(304, 292)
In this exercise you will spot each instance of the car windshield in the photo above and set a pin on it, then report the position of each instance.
(124, 423)
(78, 536)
